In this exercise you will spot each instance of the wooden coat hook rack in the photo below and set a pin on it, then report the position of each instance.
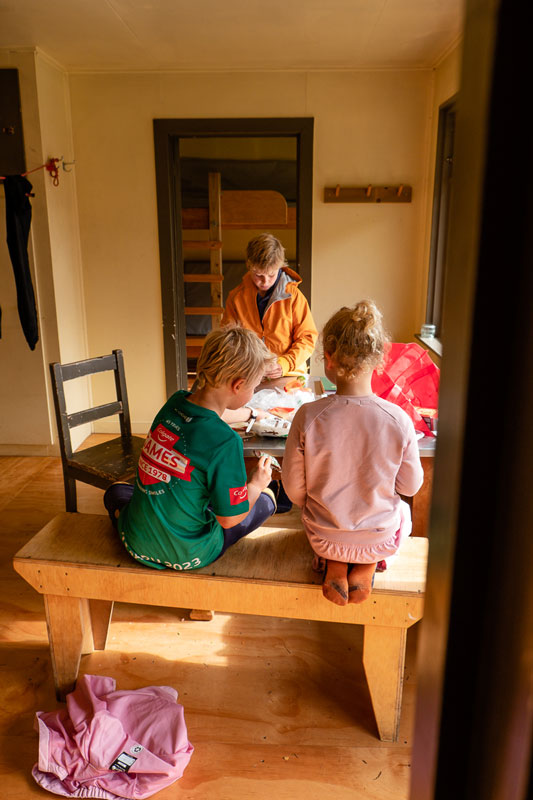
(368, 194)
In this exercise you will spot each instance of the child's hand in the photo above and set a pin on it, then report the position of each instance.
(262, 474)
(275, 371)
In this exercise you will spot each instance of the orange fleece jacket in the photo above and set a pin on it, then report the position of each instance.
(287, 328)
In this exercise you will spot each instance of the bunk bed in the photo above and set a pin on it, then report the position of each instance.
(228, 210)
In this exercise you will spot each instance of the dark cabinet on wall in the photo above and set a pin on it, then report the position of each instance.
(12, 161)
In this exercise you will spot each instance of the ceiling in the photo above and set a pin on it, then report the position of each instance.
(106, 35)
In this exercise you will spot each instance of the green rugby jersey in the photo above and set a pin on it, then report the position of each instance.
(191, 469)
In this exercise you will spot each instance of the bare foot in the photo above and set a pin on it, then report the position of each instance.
(360, 582)
(335, 584)
(319, 564)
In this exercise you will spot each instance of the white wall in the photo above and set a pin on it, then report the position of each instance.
(23, 383)
(63, 229)
(27, 418)
(102, 290)
(55, 116)
(370, 127)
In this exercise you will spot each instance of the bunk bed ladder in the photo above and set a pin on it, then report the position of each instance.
(240, 209)
(215, 276)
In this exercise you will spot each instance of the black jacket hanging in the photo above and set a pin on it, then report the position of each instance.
(18, 221)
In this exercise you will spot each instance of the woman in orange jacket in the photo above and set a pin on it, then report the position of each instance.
(269, 303)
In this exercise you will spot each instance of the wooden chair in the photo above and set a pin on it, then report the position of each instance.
(102, 464)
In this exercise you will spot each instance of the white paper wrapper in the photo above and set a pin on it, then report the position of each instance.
(271, 398)
(271, 426)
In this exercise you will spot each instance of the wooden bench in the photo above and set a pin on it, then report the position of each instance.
(80, 567)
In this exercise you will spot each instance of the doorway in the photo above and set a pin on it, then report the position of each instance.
(237, 163)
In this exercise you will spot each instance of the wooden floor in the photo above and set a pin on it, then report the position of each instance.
(273, 707)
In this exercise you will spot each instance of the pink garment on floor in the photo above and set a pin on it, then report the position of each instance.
(112, 744)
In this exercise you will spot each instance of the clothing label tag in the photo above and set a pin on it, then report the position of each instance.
(122, 763)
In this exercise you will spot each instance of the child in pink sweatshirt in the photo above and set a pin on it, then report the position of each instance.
(349, 457)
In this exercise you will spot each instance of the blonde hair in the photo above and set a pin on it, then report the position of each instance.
(232, 352)
(355, 338)
(264, 252)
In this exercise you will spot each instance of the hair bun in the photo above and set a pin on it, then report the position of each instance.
(356, 338)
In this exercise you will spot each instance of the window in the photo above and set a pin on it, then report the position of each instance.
(441, 207)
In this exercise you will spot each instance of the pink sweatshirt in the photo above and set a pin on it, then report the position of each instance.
(346, 462)
(112, 744)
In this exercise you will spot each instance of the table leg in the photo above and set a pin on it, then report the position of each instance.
(421, 503)
(384, 661)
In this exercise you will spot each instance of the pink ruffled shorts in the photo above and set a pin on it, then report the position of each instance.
(366, 554)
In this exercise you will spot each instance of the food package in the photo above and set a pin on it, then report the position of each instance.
(268, 399)
(284, 413)
(271, 426)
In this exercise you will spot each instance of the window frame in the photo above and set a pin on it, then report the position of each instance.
(442, 191)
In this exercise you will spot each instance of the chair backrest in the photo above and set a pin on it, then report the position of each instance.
(78, 369)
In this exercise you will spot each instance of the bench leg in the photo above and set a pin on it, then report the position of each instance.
(101, 612)
(87, 643)
(384, 661)
(64, 620)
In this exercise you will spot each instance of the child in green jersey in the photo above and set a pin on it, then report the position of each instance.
(191, 499)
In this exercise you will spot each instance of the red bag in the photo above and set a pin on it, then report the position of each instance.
(410, 379)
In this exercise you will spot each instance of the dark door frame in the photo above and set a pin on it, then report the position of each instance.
(474, 722)
(441, 211)
(167, 133)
